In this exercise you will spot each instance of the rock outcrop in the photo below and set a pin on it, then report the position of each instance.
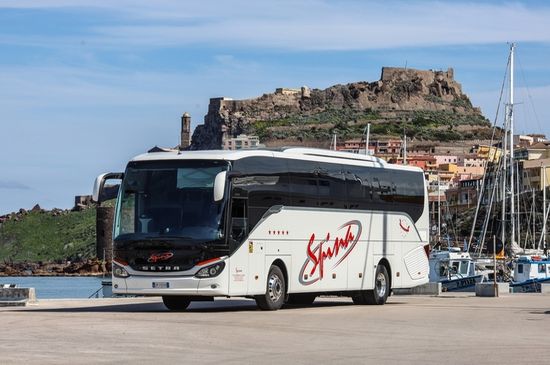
(312, 114)
(91, 267)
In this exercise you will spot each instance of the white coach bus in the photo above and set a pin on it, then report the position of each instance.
(278, 226)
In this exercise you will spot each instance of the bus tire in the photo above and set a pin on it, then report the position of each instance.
(275, 292)
(176, 303)
(301, 299)
(379, 294)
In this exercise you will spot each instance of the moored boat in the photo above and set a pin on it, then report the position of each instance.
(529, 272)
(454, 269)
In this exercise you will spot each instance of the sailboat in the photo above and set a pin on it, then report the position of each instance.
(500, 184)
(530, 271)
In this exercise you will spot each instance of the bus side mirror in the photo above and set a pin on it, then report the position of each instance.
(101, 192)
(219, 186)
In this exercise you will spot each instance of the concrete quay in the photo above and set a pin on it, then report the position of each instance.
(14, 297)
(457, 328)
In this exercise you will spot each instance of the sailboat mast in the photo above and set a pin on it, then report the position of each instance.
(518, 205)
(503, 181)
(534, 215)
(404, 149)
(438, 207)
(544, 209)
(511, 131)
(367, 140)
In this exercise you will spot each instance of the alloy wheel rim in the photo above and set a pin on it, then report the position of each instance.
(275, 288)
(381, 284)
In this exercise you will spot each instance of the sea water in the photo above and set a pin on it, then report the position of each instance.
(57, 287)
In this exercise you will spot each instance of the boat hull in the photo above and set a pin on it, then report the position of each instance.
(465, 284)
(529, 286)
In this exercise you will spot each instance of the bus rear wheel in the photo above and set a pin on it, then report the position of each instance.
(176, 303)
(379, 294)
(275, 292)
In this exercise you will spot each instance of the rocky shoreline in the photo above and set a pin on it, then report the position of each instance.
(91, 267)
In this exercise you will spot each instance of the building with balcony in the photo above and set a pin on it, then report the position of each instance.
(533, 174)
(242, 141)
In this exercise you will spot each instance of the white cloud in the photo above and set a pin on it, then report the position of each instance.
(13, 185)
(309, 25)
(75, 87)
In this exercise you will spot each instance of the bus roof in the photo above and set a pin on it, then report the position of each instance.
(312, 154)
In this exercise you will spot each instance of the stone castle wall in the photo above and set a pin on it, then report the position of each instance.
(399, 90)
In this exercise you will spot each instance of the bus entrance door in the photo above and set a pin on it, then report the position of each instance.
(238, 263)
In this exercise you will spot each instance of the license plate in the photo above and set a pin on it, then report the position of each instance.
(161, 285)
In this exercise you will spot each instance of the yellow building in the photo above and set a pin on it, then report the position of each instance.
(448, 168)
(491, 154)
(533, 173)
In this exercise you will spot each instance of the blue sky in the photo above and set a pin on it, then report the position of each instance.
(87, 84)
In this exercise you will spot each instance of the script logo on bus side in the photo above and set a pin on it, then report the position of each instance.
(335, 249)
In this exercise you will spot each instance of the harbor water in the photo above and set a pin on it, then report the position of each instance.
(57, 287)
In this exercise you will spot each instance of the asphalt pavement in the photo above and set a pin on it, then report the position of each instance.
(448, 329)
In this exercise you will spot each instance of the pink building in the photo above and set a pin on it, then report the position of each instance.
(445, 159)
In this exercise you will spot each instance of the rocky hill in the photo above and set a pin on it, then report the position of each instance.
(426, 105)
(41, 242)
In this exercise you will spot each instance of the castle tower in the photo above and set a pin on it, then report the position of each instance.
(185, 131)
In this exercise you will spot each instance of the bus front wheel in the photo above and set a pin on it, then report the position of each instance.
(274, 296)
(379, 294)
(176, 303)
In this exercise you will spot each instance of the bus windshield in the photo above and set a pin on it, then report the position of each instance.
(170, 199)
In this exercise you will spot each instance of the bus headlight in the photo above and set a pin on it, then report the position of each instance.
(211, 271)
(119, 271)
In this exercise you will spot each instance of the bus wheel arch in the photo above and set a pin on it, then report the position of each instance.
(384, 262)
(276, 287)
(382, 286)
(282, 266)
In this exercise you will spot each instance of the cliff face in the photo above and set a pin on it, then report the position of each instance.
(427, 105)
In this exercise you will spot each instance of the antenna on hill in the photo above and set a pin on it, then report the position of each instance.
(366, 133)
(404, 149)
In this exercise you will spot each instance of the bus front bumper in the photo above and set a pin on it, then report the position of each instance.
(166, 285)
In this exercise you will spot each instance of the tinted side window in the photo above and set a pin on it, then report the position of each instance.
(409, 195)
(303, 183)
(381, 189)
(332, 186)
(359, 187)
(385, 186)
(268, 181)
(264, 180)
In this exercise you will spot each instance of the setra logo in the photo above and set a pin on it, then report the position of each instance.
(313, 268)
(157, 257)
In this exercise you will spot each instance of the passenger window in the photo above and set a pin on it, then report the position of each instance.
(303, 191)
(520, 269)
(542, 268)
(464, 268)
(332, 186)
(359, 189)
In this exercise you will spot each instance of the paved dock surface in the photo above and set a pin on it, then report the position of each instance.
(449, 329)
